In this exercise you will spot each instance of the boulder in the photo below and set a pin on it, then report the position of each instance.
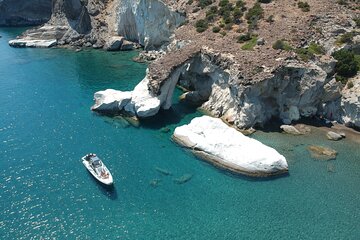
(110, 100)
(260, 41)
(333, 136)
(290, 129)
(114, 43)
(322, 153)
(212, 140)
(32, 43)
(127, 45)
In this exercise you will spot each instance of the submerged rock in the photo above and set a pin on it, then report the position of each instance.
(165, 130)
(322, 153)
(155, 182)
(333, 136)
(212, 140)
(183, 179)
(163, 171)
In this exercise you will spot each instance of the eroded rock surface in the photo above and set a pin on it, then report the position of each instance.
(95, 23)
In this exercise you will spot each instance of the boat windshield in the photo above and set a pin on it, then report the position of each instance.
(95, 161)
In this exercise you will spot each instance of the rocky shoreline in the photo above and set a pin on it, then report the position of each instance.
(279, 66)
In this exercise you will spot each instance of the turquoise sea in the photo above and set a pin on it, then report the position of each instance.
(46, 126)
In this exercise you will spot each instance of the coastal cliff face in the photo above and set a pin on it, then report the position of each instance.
(96, 23)
(24, 12)
(148, 22)
(276, 62)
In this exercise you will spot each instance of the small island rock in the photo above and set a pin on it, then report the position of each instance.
(212, 140)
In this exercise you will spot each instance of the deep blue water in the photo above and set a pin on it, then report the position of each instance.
(46, 126)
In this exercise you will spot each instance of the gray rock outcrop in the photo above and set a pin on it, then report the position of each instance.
(24, 12)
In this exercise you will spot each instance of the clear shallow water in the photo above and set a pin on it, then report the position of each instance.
(46, 126)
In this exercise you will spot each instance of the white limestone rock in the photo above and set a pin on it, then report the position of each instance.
(143, 103)
(290, 129)
(333, 136)
(148, 22)
(110, 100)
(350, 103)
(211, 139)
(36, 43)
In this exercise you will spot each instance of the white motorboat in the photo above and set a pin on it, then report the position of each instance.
(97, 168)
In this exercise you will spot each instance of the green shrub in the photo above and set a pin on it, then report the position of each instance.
(211, 17)
(341, 79)
(254, 14)
(201, 25)
(316, 49)
(190, 2)
(244, 38)
(305, 7)
(216, 29)
(265, 1)
(240, 4)
(237, 13)
(223, 3)
(204, 3)
(304, 54)
(223, 33)
(350, 84)
(250, 44)
(347, 65)
(357, 21)
(282, 44)
(345, 38)
(212, 10)
(341, 2)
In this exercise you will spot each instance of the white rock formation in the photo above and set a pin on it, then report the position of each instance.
(214, 141)
(111, 100)
(149, 22)
(350, 103)
(26, 42)
(333, 136)
(290, 129)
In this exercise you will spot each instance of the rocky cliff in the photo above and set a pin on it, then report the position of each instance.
(244, 61)
(24, 12)
(106, 24)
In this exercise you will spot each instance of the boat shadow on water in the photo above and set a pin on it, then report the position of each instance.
(108, 190)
